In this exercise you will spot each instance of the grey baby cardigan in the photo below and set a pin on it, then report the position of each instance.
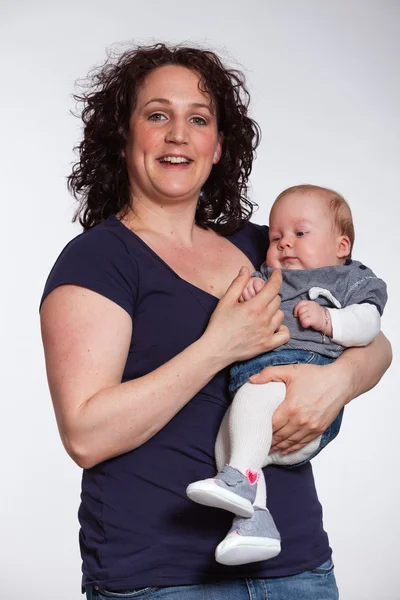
(332, 287)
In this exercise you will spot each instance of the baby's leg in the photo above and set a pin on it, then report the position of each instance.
(223, 452)
(242, 447)
(250, 424)
(223, 443)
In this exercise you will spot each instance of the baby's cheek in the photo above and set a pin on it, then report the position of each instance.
(272, 259)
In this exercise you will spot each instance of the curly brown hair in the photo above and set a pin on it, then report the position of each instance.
(99, 180)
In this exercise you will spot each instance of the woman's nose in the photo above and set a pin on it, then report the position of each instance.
(177, 132)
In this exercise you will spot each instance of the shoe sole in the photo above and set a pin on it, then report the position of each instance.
(210, 494)
(240, 550)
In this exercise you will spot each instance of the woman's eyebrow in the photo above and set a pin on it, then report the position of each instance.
(201, 105)
(158, 100)
(192, 104)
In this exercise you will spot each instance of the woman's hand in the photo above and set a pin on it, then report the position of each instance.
(316, 394)
(242, 330)
(314, 397)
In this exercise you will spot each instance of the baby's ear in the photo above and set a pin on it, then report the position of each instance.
(343, 246)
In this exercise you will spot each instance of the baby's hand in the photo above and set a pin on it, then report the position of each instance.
(311, 314)
(254, 286)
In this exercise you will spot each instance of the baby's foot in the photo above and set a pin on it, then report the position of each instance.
(230, 489)
(250, 540)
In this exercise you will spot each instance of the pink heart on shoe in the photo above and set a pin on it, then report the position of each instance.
(252, 476)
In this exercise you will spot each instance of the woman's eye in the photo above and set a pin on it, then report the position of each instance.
(157, 117)
(300, 233)
(199, 121)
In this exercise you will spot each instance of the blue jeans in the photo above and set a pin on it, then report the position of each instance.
(242, 371)
(318, 584)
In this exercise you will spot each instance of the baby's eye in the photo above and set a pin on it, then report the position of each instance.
(276, 238)
(199, 121)
(157, 117)
(300, 233)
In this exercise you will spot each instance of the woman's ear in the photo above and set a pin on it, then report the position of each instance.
(344, 246)
(218, 149)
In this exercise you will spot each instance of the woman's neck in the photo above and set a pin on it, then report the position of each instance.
(171, 222)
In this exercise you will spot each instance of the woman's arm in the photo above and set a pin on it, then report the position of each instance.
(86, 339)
(316, 394)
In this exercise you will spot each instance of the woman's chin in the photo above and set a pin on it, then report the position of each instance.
(176, 194)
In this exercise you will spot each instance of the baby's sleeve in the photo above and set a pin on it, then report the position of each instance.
(355, 325)
(364, 287)
(262, 273)
(100, 261)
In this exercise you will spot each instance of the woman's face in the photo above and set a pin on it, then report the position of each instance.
(173, 141)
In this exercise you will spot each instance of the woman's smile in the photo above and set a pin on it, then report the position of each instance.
(174, 161)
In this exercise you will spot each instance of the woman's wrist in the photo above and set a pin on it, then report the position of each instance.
(357, 370)
(339, 377)
(346, 373)
(213, 352)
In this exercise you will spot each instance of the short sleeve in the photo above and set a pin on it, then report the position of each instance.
(365, 287)
(100, 261)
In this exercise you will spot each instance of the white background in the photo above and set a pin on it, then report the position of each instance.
(324, 78)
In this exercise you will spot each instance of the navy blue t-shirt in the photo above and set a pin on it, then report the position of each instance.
(138, 528)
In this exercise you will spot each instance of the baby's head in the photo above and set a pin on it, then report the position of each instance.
(309, 227)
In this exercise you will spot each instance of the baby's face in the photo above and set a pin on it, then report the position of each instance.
(301, 233)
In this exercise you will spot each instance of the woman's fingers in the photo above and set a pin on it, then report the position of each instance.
(241, 330)
(277, 316)
(272, 373)
(290, 435)
(267, 294)
(292, 445)
(273, 306)
(297, 420)
(237, 287)
(294, 422)
(270, 290)
(276, 339)
(281, 336)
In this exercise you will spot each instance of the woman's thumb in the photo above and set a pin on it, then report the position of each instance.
(237, 286)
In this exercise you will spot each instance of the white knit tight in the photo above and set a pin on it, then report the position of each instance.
(244, 438)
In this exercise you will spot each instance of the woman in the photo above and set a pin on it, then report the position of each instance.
(141, 320)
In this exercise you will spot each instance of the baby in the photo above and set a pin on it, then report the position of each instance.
(330, 303)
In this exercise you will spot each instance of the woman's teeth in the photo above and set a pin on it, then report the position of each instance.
(174, 159)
